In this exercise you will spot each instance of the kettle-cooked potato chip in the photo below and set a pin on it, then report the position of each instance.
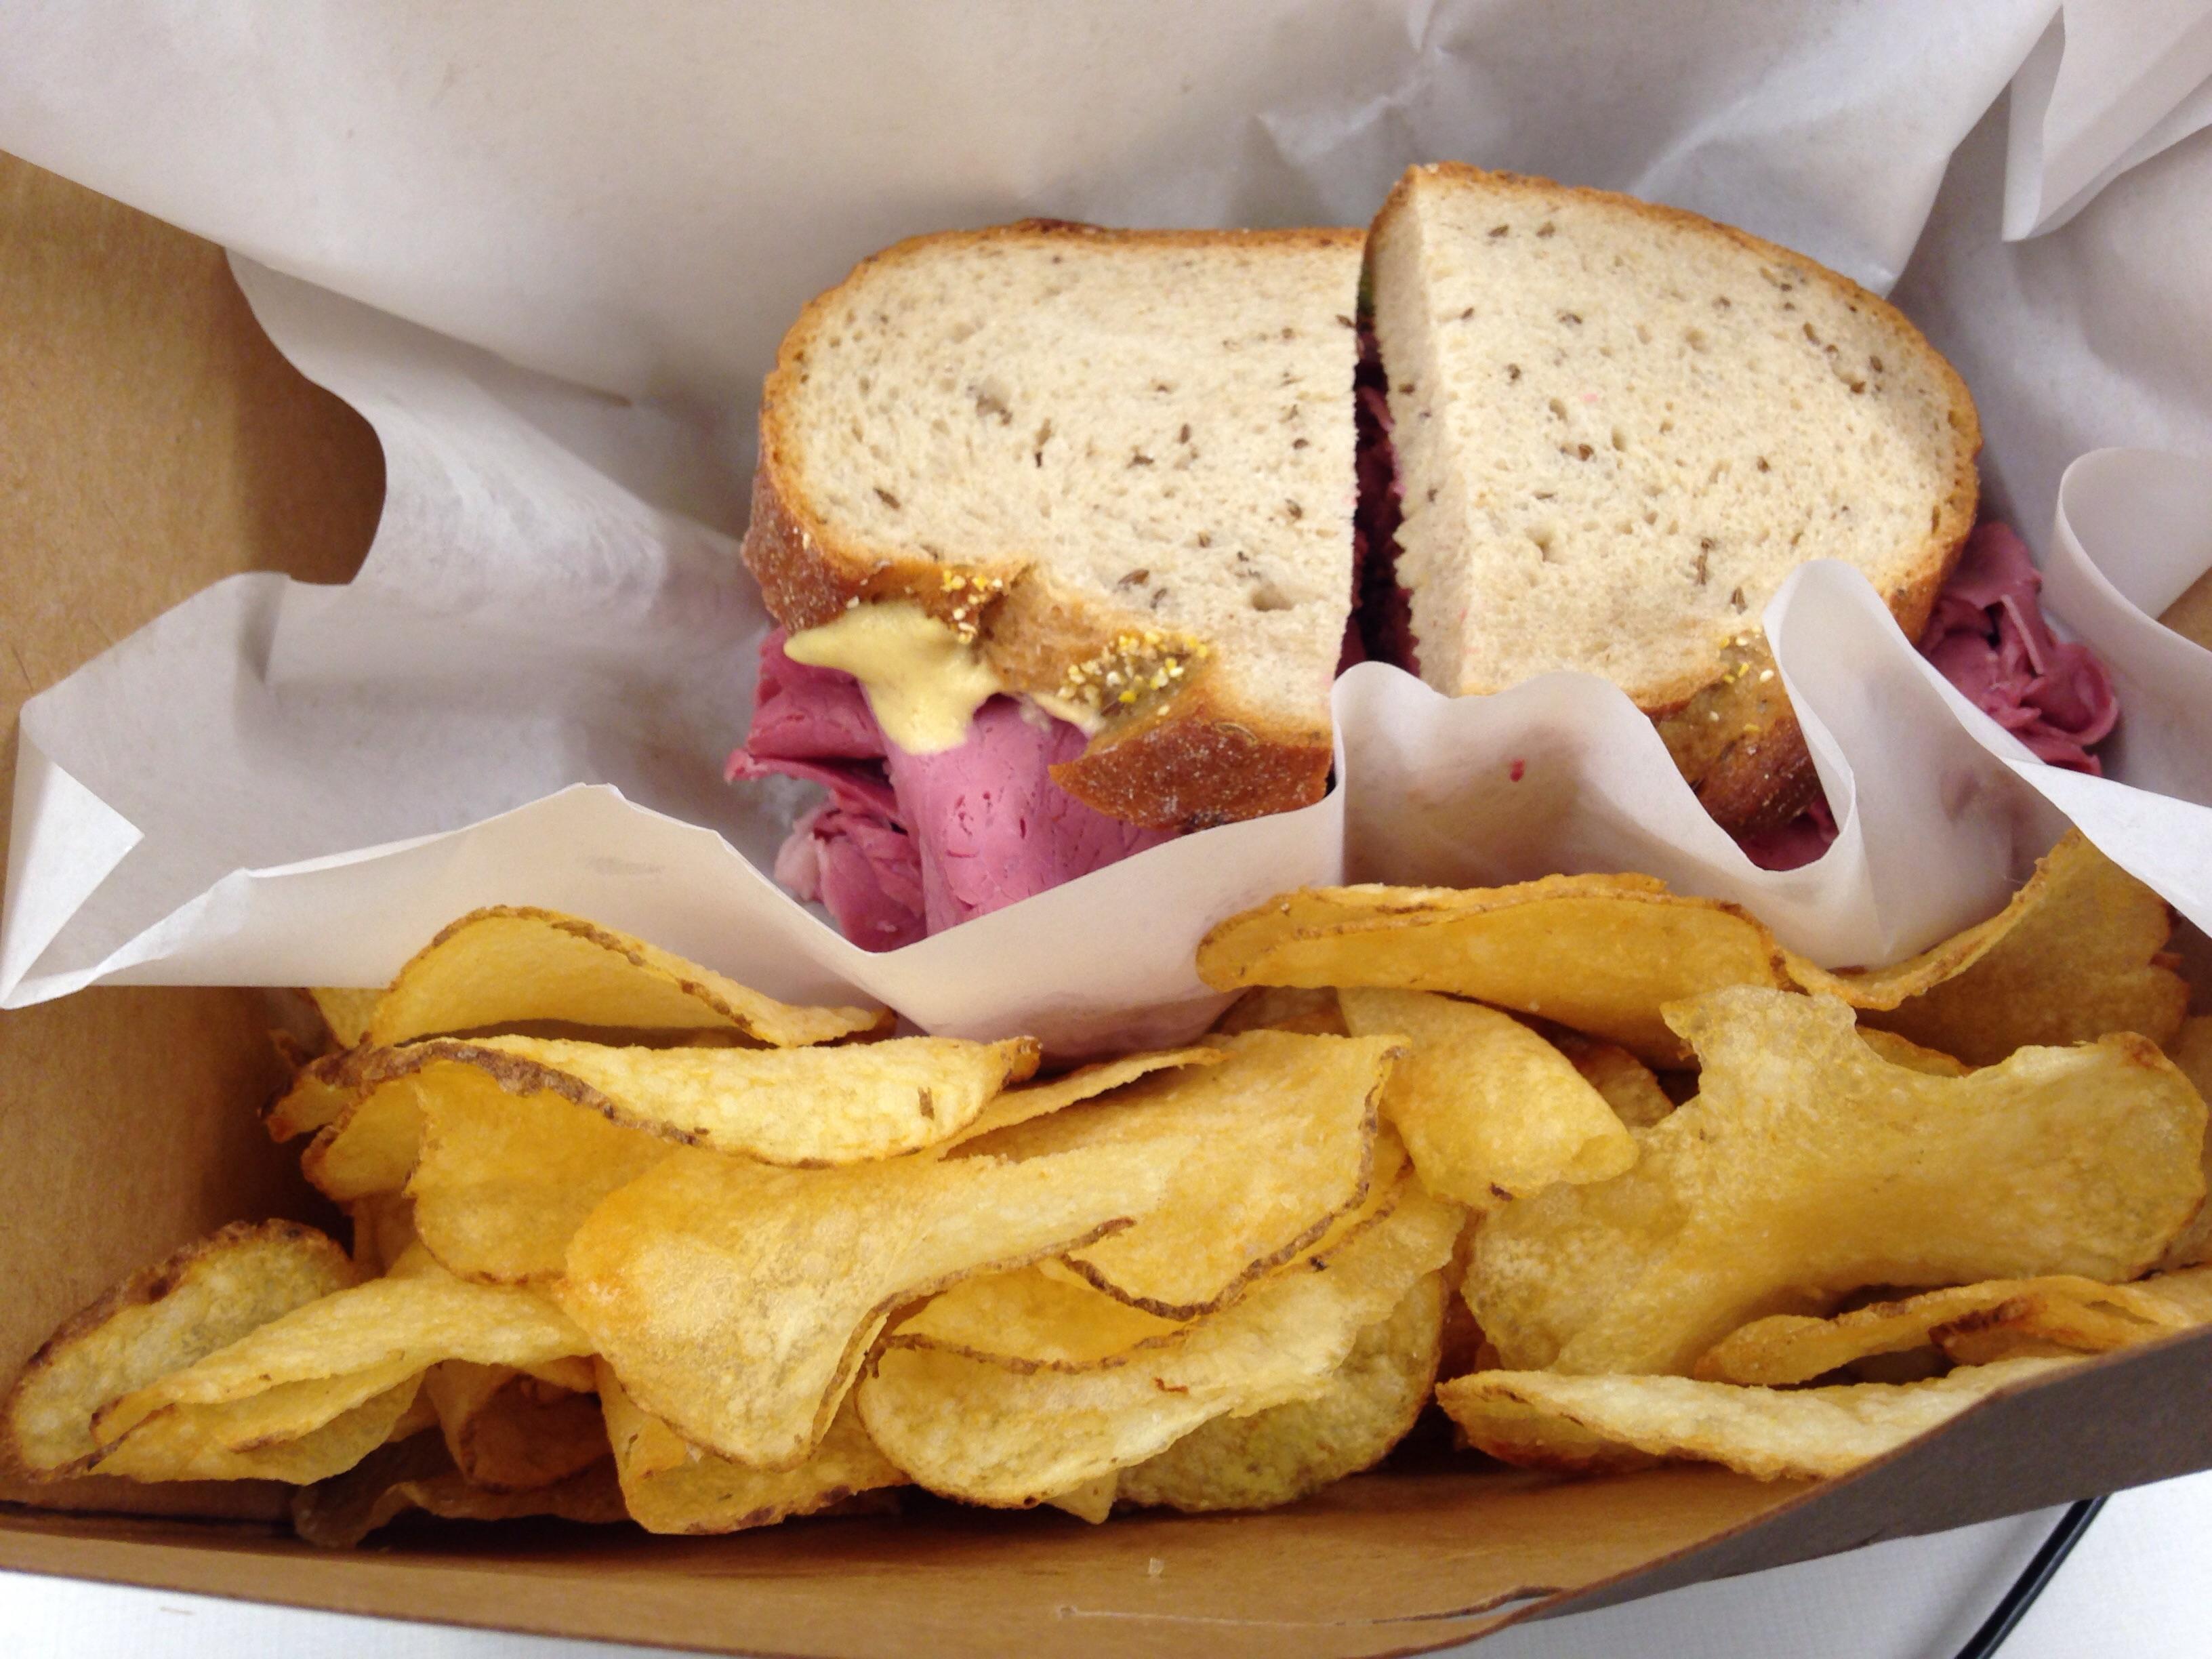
(804, 1107)
(415, 1474)
(1602, 954)
(509, 965)
(2037, 1324)
(370, 1147)
(297, 1371)
(1629, 1087)
(203, 1299)
(507, 1431)
(1261, 1152)
(503, 1181)
(383, 1230)
(347, 1011)
(1545, 1420)
(1488, 1109)
(2192, 1051)
(262, 1437)
(2074, 955)
(992, 1434)
(737, 1300)
(1092, 1501)
(1283, 1008)
(1071, 1088)
(1047, 1316)
(672, 1485)
(1044, 1316)
(1902, 1051)
(1286, 1452)
(2078, 1314)
(320, 1093)
(1809, 1167)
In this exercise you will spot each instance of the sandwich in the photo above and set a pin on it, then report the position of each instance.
(1618, 428)
(1057, 524)
(1067, 530)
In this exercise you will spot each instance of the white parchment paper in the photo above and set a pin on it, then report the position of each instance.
(475, 228)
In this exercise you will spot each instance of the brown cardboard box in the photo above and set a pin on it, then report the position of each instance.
(151, 441)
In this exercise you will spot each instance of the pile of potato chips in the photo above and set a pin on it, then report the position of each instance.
(1906, 1188)
(631, 1240)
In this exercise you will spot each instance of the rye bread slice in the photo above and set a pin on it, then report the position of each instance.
(1120, 462)
(1619, 427)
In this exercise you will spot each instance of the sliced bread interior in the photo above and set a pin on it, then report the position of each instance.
(1619, 427)
(1119, 462)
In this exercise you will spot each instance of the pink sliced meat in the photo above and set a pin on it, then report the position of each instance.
(1987, 635)
(994, 827)
(909, 845)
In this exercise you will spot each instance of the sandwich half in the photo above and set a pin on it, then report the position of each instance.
(1617, 427)
(1097, 483)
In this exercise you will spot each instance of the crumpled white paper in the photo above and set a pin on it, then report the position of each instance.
(2111, 83)
(526, 694)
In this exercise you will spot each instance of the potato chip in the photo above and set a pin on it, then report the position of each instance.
(1283, 1008)
(2074, 955)
(248, 1440)
(371, 1146)
(508, 1431)
(1809, 1167)
(1488, 1109)
(2192, 1052)
(1902, 1051)
(319, 1358)
(202, 1299)
(1385, 1187)
(1261, 1151)
(383, 1230)
(2033, 1324)
(1464, 1346)
(1629, 1086)
(1085, 1082)
(2081, 1314)
(509, 965)
(1093, 1501)
(572, 1371)
(737, 1300)
(347, 1011)
(1041, 1316)
(802, 1107)
(320, 1093)
(1542, 1419)
(503, 1181)
(420, 1414)
(673, 1486)
(990, 1434)
(2189, 1293)
(415, 1474)
(1047, 1316)
(1289, 1451)
(1602, 954)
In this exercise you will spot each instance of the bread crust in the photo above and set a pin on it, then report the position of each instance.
(1196, 763)
(1187, 759)
(1734, 736)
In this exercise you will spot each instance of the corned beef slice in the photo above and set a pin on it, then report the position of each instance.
(991, 824)
(909, 845)
(852, 852)
(1987, 637)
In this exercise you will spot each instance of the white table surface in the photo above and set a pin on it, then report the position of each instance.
(2139, 1585)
